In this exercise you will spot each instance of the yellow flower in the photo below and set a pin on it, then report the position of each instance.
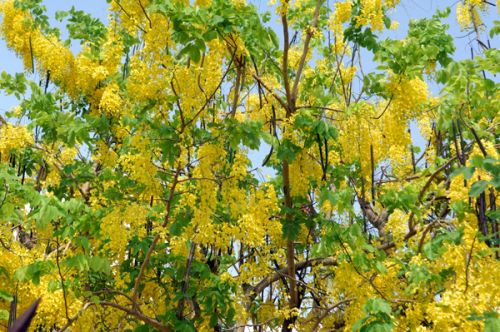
(111, 101)
(13, 137)
(343, 11)
(463, 16)
(394, 25)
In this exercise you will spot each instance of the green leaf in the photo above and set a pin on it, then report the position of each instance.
(493, 215)
(490, 318)
(477, 161)
(4, 272)
(287, 150)
(5, 296)
(495, 30)
(478, 187)
(143, 328)
(434, 248)
(4, 314)
(290, 229)
(195, 54)
(99, 264)
(492, 324)
(54, 285)
(247, 133)
(34, 271)
(377, 327)
(377, 317)
(460, 208)
(210, 35)
(466, 171)
(358, 324)
(377, 305)
(404, 199)
(61, 15)
(182, 219)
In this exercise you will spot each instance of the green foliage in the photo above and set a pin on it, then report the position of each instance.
(5, 296)
(13, 85)
(359, 35)
(33, 272)
(4, 314)
(435, 248)
(404, 199)
(310, 124)
(490, 319)
(340, 198)
(247, 133)
(38, 13)
(377, 317)
(218, 19)
(495, 30)
(82, 26)
(287, 150)
(85, 263)
(427, 43)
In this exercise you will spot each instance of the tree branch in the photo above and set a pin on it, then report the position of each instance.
(138, 315)
(299, 266)
(307, 40)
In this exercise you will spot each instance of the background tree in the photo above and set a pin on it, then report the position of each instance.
(128, 200)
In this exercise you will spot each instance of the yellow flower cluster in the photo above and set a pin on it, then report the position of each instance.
(468, 13)
(13, 137)
(106, 156)
(48, 312)
(472, 289)
(31, 44)
(90, 72)
(342, 12)
(256, 223)
(347, 74)
(458, 191)
(341, 15)
(398, 225)
(408, 95)
(372, 14)
(120, 224)
(111, 101)
(379, 128)
(303, 169)
(232, 194)
(391, 3)
(74, 75)
(463, 16)
(350, 284)
(211, 160)
(139, 167)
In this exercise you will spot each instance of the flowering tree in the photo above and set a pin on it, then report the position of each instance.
(128, 200)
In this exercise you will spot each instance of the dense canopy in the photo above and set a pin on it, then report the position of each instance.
(131, 193)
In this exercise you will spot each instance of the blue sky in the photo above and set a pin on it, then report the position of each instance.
(405, 11)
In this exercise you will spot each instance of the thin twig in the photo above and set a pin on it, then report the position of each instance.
(185, 281)
(469, 259)
(146, 14)
(138, 315)
(75, 317)
(302, 62)
(62, 281)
